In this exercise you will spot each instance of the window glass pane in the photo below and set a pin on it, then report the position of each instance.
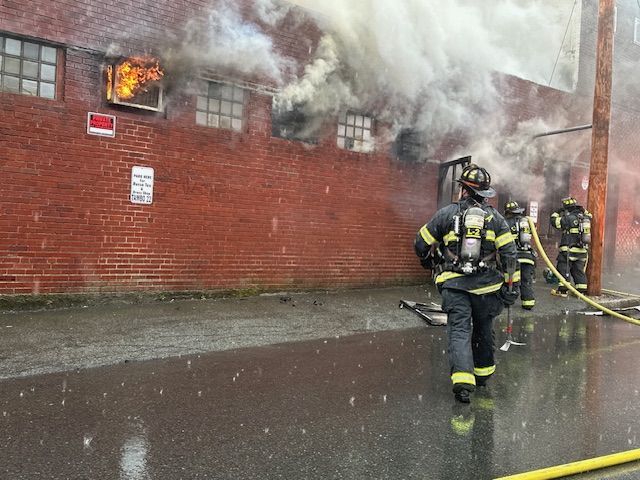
(0, 63)
(49, 54)
(214, 120)
(214, 105)
(350, 119)
(341, 130)
(237, 110)
(225, 108)
(47, 90)
(29, 87)
(236, 124)
(357, 133)
(238, 95)
(31, 51)
(227, 92)
(340, 142)
(201, 118)
(13, 47)
(47, 72)
(201, 103)
(30, 69)
(225, 122)
(12, 65)
(349, 132)
(367, 122)
(12, 84)
(214, 90)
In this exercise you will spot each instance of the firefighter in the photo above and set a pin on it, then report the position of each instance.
(575, 223)
(472, 234)
(521, 233)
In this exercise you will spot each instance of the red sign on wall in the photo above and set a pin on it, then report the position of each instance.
(101, 124)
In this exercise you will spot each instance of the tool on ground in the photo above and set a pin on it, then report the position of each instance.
(511, 268)
(432, 314)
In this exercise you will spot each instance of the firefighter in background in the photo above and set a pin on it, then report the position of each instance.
(521, 232)
(476, 244)
(575, 223)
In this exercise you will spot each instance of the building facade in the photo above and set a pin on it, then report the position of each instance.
(191, 181)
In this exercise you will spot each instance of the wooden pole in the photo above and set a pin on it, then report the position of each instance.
(597, 195)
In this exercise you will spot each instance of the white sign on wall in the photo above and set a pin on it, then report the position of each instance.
(142, 185)
(533, 211)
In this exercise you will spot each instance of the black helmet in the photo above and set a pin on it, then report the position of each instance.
(569, 202)
(478, 180)
(513, 207)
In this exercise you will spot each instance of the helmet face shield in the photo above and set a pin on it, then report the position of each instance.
(478, 180)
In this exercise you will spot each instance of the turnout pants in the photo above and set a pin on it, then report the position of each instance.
(470, 334)
(527, 272)
(573, 264)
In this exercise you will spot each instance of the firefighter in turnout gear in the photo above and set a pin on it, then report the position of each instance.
(521, 233)
(575, 223)
(476, 243)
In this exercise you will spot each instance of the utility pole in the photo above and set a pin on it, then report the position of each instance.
(597, 195)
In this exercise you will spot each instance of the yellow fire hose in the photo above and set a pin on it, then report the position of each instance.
(591, 463)
(564, 282)
(577, 467)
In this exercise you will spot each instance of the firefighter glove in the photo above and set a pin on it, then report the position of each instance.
(509, 297)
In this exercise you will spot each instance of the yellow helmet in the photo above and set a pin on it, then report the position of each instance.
(513, 207)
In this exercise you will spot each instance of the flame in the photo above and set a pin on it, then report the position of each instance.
(133, 73)
(109, 81)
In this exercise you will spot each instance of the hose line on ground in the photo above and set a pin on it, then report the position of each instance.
(564, 282)
(574, 468)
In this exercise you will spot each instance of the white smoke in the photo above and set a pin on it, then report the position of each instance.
(424, 64)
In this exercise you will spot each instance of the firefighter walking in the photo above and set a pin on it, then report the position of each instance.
(521, 233)
(575, 223)
(476, 243)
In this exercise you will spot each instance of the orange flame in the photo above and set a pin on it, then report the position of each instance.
(132, 74)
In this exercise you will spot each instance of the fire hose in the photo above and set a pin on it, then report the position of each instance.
(592, 463)
(564, 282)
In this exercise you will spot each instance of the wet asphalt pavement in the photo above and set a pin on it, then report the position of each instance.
(334, 385)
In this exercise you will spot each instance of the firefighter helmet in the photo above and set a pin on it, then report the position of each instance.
(569, 202)
(478, 180)
(513, 207)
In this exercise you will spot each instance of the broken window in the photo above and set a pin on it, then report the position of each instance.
(409, 146)
(292, 125)
(221, 105)
(28, 67)
(355, 132)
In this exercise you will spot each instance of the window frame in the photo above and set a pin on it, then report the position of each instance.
(349, 125)
(220, 111)
(49, 58)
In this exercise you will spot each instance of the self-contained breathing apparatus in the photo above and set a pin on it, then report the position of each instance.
(584, 227)
(468, 227)
(523, 234)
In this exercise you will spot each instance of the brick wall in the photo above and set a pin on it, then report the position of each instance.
(230, 211)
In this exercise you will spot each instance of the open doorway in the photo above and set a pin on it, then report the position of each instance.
(448, 174)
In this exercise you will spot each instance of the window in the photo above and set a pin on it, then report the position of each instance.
(220, 106)
(292, 125)
(636, 32)
(354, 132)
(409, 147)
(28, 67)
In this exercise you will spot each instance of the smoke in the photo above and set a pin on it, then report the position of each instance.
(428, 66)
(226, 43)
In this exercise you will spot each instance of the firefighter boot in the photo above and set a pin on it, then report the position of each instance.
(560, 293)
(462, 392)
